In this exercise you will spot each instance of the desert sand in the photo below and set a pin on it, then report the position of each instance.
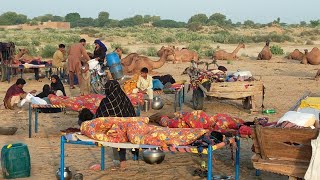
(285, 81)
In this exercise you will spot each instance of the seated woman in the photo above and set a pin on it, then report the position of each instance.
(57, 86)
(14, 94)
(100, 50)
(46, 90)
(115, 104)
(144, 84)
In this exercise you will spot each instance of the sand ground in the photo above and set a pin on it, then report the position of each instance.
(285, 81)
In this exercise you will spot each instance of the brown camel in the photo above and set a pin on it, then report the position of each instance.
(182, 55)
(141, 61)
(296, 55)
(265, 54)
(128, 59)
(313, 57)
(118, 51)
(223, 55)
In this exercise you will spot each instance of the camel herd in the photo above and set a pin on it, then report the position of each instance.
(133, 62)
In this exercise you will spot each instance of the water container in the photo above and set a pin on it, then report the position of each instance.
(15, 161)
(114, 63)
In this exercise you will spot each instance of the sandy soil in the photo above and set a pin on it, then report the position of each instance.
(285, 82)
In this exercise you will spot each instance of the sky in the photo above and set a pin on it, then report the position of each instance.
(262, 11)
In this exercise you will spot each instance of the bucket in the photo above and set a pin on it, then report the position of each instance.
(114, 63)
(15, 161)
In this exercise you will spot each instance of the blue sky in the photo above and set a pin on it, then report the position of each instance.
(263, 11)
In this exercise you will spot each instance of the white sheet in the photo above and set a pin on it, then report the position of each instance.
(313, 172)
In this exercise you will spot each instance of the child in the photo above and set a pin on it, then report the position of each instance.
(57, 86)
(85, 79)
(144, 84)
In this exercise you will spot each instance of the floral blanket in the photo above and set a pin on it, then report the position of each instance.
(199, 119)
(90, 101)
(137, 131)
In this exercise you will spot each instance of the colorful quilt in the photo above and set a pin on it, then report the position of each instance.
(90, 101)
(137, 131)
(199, 119)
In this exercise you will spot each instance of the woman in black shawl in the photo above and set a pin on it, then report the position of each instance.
(57, 85)
(46, 90)
(116, 104)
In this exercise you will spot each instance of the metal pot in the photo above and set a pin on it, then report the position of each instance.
(67, 174)
(157, 103)
(153, 156)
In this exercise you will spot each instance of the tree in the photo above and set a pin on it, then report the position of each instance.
(166, 23)
(84, 22)
(249, 23)
(303, 23)
(103, 18)
(217, 18)
(57, 18)
(315, 23)
(72, 18)
(112, 23)
(200, 18)
(12, 18)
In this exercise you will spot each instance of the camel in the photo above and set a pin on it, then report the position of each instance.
(313, 57)
(118, 51)
(182, 55)
(296, 55)
(140, 62)
(128, 59)
(304, 58)
(223, 55)
(265, 54)
(317, 75)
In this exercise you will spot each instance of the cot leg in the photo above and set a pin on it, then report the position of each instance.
(258, 172)
(62, 141)
(36, 121)
(180, 99)
(183, 93)
(30, 123)
(102, 158)
(135, 155)
(175, 101)
(209, 176)
(238, 158)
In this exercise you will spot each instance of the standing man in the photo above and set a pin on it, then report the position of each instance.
(76, 53)
(59, 60)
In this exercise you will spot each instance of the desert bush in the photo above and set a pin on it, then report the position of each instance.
(313, 32)
(151, 51)
(115, 46)
(22, 43)
(276, 50)
(48, 51)
(202, 48)
(313, 38)
(125, 50)
(35, 42)
(142, 51)
(33, 51)
(309, 42)
(209, 52)
(169, 39)
(195, 26)
(89, 31)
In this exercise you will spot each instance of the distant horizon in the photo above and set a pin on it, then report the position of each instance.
(179, 10)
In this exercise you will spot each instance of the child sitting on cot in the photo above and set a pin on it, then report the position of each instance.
(144, 84)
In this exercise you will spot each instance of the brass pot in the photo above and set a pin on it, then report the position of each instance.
(153, 156)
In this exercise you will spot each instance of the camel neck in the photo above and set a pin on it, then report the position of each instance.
(237, 50)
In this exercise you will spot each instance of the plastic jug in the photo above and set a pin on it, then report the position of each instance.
(15, 161)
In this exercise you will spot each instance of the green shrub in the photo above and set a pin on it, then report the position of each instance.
(195, 26)
(115, 46)
(33, 51)
(89, 31)
(151, 51)
(35, 42)
(48, 51)
(276, 50)
(22, 43)
(209, 52)
(169, 40)
(142, 51)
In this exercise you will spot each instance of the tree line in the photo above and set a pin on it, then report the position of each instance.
(194, 23)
